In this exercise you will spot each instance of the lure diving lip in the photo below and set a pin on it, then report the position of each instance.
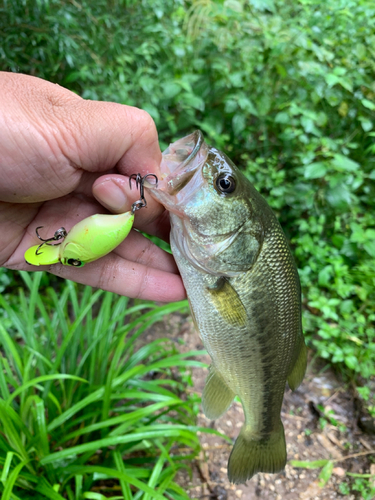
(91, 238)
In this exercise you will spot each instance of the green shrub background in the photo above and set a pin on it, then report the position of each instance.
(287, 89)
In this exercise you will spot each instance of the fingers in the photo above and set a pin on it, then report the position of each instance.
(112, 134)
(114, 192)
(137, 267)
(52, 136)
(137, 248)
(67, 212)
(117, 275)
(126, 278)
(57, 143)
(32, 166)
(14, 219)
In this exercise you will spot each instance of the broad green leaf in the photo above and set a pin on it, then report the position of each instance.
(315, 170)
(369, 246)
(351, 362)
(326, 473)
(194, 101)
(339, 197)
(343, 163)
(263, 5)
(171, 89)
(282, 117)
(366, 124)
(368, 104)
(239, 123)
(325, 275)
(153, 111)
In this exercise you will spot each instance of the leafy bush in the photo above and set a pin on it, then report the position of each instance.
(285, 88)
(82, 412)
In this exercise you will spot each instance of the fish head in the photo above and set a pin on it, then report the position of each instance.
(214, 213)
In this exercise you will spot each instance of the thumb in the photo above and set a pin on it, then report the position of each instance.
(116, 135)
(52, 136)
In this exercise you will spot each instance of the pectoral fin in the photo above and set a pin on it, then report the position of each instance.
(298, 372)
(228, 303)
(217, 397)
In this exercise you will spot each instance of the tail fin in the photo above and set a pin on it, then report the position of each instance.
(251, 454)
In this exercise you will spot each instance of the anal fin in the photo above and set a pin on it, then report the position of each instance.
(298, 372)
(217, 397)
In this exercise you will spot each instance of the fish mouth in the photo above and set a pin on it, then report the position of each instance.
(180, 162)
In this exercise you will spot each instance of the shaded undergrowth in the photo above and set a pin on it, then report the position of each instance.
(84, 414)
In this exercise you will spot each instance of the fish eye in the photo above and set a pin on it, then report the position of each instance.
(225, 183)
(75, 262)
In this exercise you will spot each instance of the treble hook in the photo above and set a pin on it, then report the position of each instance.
(139, 182)
(60, 234)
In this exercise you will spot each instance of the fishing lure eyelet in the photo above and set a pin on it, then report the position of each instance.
(60, 234)
(139, 182)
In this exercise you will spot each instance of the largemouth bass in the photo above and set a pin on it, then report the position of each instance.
(244, 292)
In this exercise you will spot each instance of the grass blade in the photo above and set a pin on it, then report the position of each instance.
(6, 467)
(10, 349)
(11, 480)
(111, 441)
(122, 475)
(34, 382)
(125, 488)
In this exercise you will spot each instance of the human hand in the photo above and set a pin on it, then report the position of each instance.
(59, 154)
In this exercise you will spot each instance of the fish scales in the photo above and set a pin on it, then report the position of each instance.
(244, 293)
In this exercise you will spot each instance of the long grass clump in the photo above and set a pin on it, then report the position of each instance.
(84, 412)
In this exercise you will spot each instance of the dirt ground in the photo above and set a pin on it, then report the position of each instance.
(320, 420)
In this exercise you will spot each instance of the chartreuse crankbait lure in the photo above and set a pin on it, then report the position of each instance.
(90, 239)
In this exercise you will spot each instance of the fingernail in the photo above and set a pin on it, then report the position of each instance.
(111, 195)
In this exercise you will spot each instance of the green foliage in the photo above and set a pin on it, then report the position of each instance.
(287, 90)
(362, 483)
(328, 416)
(326, 467)
(291, 100)
(83, 412)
